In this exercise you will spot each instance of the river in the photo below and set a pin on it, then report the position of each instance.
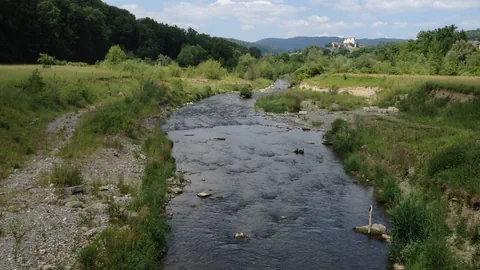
(255, 179)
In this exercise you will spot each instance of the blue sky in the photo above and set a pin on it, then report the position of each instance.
(252, 20)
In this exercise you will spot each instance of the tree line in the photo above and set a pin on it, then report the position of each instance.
(84, 30)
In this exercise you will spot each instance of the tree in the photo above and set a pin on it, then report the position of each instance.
(460, 51)
(192, 56)
(255, 52)
(115, 56)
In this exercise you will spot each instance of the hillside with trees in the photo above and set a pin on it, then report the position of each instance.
(83, 31)
(301, 43)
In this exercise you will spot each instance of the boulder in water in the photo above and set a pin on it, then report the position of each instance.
(241, 236)
(299, 151)
(220, 138)
(377, 229)
(204, 194)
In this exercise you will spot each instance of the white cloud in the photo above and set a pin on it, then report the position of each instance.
(396, 6)
(247, 12)
(379, 24)
(320, 19)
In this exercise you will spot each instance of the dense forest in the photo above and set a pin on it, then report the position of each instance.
(84, 30)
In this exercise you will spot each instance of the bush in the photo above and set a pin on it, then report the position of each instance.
(111, 118)
(46, 60)
(163, 60)
(354, 162)
(79, 96)
(343, 137)
(115, 56)
(66, 176)
(175, 70)
(212, 70)
(389, 192)
(246, 91)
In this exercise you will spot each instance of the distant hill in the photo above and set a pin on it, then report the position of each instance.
(290, 44)
(264, 48)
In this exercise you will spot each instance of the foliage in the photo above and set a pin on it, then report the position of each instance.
(66, 176)
(85, 30)
(46, 60)
(212, 70)
(246, 91)
(115, 56)
(192, 56)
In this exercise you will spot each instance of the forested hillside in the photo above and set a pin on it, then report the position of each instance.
(84, 30)
(301, 43)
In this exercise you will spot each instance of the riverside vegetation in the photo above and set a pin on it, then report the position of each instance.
(424, 162)
(121, 94)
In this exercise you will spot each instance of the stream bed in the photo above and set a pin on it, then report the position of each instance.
(297, 210)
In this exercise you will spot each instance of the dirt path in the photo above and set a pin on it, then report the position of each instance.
(43, 227)
(368, 92)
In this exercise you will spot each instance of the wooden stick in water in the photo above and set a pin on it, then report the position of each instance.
(370, 219)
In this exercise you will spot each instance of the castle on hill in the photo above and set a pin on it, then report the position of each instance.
(348, 42)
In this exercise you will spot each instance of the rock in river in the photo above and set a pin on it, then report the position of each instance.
(299, 151)
(220, 138)
(377, 229)
(204, 194)
(241, 236)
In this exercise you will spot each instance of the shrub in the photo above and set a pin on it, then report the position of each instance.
(79, 96)
(66, 176)
(246, 91)
(212, 70)
(34, 83)
(175, 70)
(46, 60)
(163, 60)
(115, 56)
(389, 192)
(343, 137)
(353, 163)
(333, 90)
(447, 159)
(111, 118)
(252, 73)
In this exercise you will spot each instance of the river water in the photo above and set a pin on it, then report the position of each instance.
(255, 178)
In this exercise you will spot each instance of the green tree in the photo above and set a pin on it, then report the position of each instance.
(192, 56)
(115, 56)
(460, 51)
(255, 52)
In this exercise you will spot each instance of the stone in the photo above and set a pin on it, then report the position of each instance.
(91, 233)
(75, 204)
(373, 109)
(177, 190)
(220, 138)
(387, 237)
(398, 266)
(283, 218)
(411, 172)
(311, 142)
(121, 94)
(171, 179)
(377, 229)
(204, 194)
(241, 236)
(302, 113)
(335, 107)
(77, 190)
(366, 109)
(299, 151)
(189, 135)
(142, 156)
(123, 201)
(107, 188)
(203, 179)
(306, 129)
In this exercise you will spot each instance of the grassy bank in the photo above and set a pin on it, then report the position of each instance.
(32, 96)
(291, 101)
(425, 166)
(385, 81)
(138, 242)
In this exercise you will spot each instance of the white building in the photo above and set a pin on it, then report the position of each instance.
(349, 42)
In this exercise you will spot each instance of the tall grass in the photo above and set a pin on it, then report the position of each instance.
(141, 244)
(291, 100)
